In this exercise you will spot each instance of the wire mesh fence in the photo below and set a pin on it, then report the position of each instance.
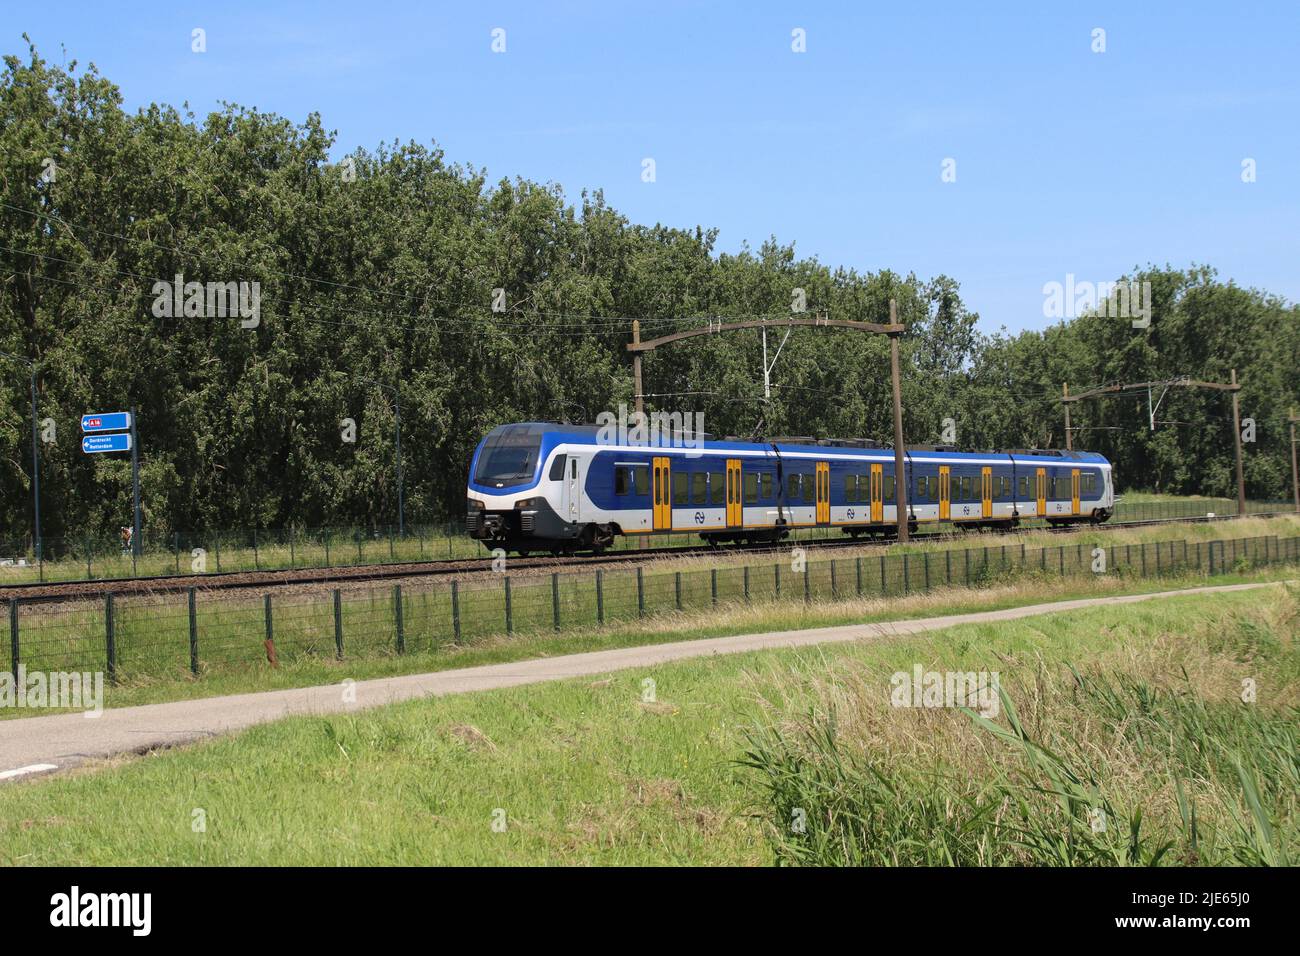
(169, 554)
(195, 632)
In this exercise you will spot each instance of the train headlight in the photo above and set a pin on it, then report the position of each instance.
(527, 503)
(473, 504)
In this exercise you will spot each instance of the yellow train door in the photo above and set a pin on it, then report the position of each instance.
(1041, 476)
(663, 498)
(1074, 490)
(823, 492)
(735, 510)
(986, 491)
(945, 495)
(877, 505)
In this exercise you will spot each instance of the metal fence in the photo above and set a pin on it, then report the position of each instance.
(196, 632)
(102, 557)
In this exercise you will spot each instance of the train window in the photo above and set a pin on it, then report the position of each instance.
(966, 488)
(920, 487)
(640, 475)
(620, 479)
(699, 488)
(717, 487)
(767, 485)
(792, 488)
(680, 491)
(557, 468)
(888, 494)
(573, 468)
(1024, 486)
(851, 488)
(751, 488)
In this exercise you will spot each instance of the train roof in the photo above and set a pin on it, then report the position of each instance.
(556, 433)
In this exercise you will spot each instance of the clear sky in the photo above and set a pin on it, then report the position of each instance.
(1067, 161)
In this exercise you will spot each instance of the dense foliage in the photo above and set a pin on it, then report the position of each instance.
(381, 269)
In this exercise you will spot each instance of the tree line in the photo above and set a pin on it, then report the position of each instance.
(395, 276)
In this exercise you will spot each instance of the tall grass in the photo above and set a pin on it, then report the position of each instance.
(1124, 764)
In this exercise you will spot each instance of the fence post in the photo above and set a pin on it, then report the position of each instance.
(327, 549)
(13, 635)
(270, 630)
(110, 639)
(966, 555)
(510, 607)
(455, 611)
(600, 597)
(677, 583)
(338, 624)
(293, 555)
(906, 573)
(776, 580)
(194, 630)
(883, 581)
(947, 567)
(746, 577)
(713, 583)
(397, 614)
(835, 587)
(640, 593)
(216, 544)
(857, 574)
(927, 570)
(176, 549)
(807, 582)
(257, 561)
(90, 575)
(555, 598)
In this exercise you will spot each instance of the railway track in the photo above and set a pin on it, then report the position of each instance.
(234, 580)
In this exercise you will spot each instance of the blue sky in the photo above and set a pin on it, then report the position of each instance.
(1067, 161)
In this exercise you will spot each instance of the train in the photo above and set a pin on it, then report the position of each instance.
(563, 488)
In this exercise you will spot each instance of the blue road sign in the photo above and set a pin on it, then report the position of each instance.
(94, 444)
(106, 422)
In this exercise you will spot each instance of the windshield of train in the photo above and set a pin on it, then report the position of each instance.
(509, 456)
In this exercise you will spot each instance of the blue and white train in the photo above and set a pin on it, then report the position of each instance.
(559, 488)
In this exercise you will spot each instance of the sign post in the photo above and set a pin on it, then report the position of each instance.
(135, 491)
(115, 431)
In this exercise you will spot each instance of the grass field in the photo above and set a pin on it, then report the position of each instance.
(152, 644)
(152, 648)
(704, 769)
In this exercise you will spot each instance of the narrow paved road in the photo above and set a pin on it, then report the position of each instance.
(31, 746)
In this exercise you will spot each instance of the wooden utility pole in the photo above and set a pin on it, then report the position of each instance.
(893, 330)
(900, 474)
(1065, 400)
(1232, 387)
(1295, 472)
(1236, 438)
(636, 367)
